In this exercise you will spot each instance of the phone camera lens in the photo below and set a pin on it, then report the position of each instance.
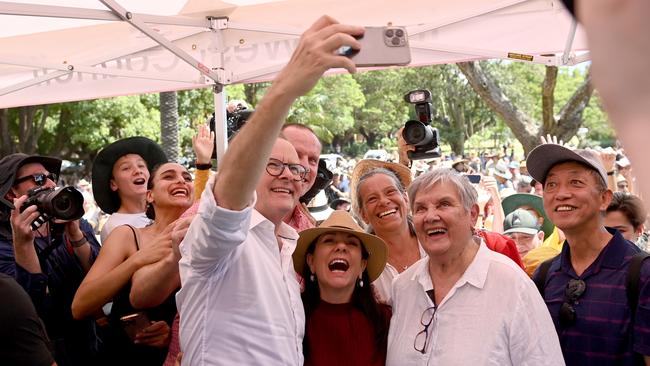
(389, 33)
(399, 33)
(395, 41)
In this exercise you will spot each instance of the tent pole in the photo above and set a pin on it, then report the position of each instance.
(569, 42)
(221, 132)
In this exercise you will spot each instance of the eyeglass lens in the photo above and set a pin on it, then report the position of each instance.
(275, 168)
(40, 178)
(422, 338)
(574, 289)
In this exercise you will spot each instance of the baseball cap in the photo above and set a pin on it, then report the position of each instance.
(521, 221)
(544, 157)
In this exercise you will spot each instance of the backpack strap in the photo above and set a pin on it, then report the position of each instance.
(540, 282)
(632, 281)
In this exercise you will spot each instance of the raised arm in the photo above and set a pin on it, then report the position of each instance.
(240, 170)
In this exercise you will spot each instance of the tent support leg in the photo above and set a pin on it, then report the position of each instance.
(569, 42)
(221, 131)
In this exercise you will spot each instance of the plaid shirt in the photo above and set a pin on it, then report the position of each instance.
(602, 334)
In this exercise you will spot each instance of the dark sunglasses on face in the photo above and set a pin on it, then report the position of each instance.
(574, 289)
(275, 168)
(39, 178)
(422, 338)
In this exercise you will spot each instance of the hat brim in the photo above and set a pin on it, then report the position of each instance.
(518, 200)
(524, 230)
(544, 157)
(102, 171)
(376, 248)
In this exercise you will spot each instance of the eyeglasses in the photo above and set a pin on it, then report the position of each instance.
(422, 338)
(275, 168)
(39, 178)
(574, 289)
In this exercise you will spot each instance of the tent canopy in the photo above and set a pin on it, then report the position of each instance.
(81, 49)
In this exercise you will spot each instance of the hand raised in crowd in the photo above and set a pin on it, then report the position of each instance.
(203, 144)
(489, 184)
(552, 139)
(608, 158)
(158, 334)
(21, 222)
(403, 148)
(316, 53)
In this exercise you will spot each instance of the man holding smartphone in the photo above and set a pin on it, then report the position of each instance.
(240, 297)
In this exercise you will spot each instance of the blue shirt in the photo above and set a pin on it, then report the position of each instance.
(602, 333)
(53, 289)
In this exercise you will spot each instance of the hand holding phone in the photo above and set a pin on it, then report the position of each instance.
(380, 46)
(134, 323)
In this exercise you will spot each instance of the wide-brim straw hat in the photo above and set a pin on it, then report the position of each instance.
(341, 221)
(148, 150)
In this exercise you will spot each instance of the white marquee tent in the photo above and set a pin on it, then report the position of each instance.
(64, 50)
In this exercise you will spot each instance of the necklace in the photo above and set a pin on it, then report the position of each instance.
(400, 266)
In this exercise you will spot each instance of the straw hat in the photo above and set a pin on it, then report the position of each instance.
(366, 165)
(341, 221)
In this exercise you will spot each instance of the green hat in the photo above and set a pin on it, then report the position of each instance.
(518, 200)
(521, 221)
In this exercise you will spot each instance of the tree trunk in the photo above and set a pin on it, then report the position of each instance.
(525, 129)
(169, 124)
(6, 145)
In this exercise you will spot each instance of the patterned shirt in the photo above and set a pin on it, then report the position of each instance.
(602, 333)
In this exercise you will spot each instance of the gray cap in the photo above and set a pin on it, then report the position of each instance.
(521, 221)
(544, 157)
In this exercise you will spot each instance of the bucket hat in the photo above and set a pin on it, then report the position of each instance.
(9, 166)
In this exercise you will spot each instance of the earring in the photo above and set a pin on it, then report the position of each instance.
(312, 278)
(360, 281)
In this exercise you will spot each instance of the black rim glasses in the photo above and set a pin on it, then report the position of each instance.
(275, 168)
(39, 178)
(422, 338)
(574, 289)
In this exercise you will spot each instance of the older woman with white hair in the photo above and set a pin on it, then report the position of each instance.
(464, 304)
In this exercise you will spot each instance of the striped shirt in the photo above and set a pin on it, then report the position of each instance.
(602, 333)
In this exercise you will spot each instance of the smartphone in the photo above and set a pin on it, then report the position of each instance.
(474, 178)
(380, 46)
(134, 323)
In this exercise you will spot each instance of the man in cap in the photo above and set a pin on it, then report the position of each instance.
(48, 262)
(585, 286)
(523, 227)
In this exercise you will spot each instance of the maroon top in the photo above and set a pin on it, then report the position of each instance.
(340, 335)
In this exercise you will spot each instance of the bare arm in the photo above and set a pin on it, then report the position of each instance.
(153, 283)
(111, 271)
(240, 171)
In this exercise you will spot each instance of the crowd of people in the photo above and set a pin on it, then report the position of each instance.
(410, 266)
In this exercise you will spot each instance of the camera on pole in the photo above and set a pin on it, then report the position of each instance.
(419, 132)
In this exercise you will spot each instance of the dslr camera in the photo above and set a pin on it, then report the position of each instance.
(419, 132)
(63, 204)
(235, 120)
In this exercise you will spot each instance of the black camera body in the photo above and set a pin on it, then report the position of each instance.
(323, 179)
(65, 204)
(419, 133)
(234, 122)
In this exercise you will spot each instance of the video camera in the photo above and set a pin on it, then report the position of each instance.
(63, 204)
(420, 133)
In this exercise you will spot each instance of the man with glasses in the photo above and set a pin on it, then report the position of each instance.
(463, 304)
(49, 262)
(585, 287)
(240, 298)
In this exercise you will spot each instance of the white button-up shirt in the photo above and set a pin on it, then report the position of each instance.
(383, 285)
(493, 315)
(240, 299)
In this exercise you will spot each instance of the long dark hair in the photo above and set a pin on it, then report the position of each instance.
(363, 299)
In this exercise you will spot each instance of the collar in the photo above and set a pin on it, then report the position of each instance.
(285, 231)
(611, 256)
(475, 274)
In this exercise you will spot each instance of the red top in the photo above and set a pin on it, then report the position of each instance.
(340, 335)
(501, 244)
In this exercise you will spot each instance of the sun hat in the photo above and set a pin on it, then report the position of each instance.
(501, 169)
(520, 221)
(544, 157)
(151, 152)
(318, 207)
(9, 166)
(518, 200)
(367, 165)
(339, 201)
(341, 221)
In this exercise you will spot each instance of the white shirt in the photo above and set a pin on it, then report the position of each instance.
(383, 285)
(493, 315)
(240, 298)
(116, 219)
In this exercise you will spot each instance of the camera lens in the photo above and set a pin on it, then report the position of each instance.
(389, 33)
(399, 33)
(395, 41)
(417, 133)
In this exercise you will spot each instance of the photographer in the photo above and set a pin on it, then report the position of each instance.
(49, 262)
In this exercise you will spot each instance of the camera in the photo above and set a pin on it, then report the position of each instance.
(323, 179)
(235, 120)
(64, 204)
(419, 132)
